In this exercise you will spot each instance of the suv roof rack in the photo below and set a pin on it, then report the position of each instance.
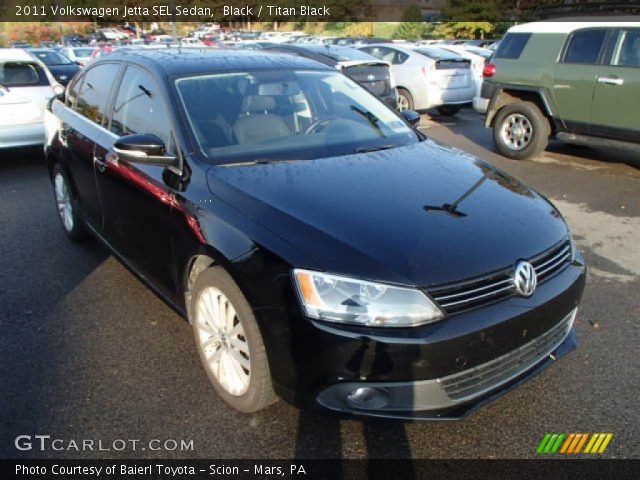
(586, 8)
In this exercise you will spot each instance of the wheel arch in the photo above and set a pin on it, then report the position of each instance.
(508, 95)
(205, 257)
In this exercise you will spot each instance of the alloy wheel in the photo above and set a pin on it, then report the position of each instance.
(63, 200)
(222, 341)
(516, 132)
(402, 103)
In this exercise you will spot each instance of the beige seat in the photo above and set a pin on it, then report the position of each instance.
(257, 124)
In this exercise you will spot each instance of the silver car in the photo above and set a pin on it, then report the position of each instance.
(25, 88)
(80, 55)
(427, 77)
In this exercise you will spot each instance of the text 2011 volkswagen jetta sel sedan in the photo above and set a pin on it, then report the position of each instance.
(322, 249)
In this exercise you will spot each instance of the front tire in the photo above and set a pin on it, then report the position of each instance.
(72, 224)
(404, 100)
(229, 342)
(521, 130)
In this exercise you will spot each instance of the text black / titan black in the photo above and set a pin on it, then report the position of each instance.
(323, 250)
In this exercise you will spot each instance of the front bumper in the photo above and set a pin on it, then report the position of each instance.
(318, 364)
(456, 395)
(15, 136)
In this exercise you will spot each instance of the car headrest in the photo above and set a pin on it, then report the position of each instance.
(258, 103)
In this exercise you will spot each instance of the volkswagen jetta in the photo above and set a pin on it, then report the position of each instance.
(323, 250)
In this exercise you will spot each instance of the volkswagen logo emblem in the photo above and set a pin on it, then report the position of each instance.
(371, 78)
(525, 279)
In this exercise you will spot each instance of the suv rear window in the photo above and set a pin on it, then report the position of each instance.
(584, 46)
(22, 74)
(512, 45)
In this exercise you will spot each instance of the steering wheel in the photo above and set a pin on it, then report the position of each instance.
(323, 122)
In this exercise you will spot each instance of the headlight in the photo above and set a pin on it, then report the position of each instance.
(572, 243)
(348, 300)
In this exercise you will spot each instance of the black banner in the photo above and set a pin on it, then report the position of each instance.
(319, 469)
(113, 11)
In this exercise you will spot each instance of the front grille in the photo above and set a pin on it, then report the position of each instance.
(478, 380)
(477, 292)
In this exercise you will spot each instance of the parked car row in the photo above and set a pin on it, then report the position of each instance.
(424, 76)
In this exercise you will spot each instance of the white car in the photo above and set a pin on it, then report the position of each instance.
(476, 55)
(81, 55)
(25, 88)
(427, 77)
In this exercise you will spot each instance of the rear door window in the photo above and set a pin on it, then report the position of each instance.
(584, 46)
(22, 74)
(627, 50)
(512, 45)
(93, 92)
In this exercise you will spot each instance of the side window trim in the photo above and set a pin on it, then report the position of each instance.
(601, 53)
(75, 84)
(113, 93)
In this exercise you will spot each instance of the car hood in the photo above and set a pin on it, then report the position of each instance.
(392, 216)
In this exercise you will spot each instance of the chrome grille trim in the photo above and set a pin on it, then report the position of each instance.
(473, 293)
(476, 298)
(481, 379)
(455, 295)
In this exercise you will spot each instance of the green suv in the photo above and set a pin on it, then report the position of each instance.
(577, 81)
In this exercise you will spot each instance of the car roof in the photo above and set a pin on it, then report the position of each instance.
(181, 61)
(330, 51)
(567, 27)
(14, 54)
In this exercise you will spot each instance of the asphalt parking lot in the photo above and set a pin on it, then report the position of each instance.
(88, 352)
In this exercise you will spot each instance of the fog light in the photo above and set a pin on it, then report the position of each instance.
(369, 398)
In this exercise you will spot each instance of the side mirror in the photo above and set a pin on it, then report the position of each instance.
(412, 118)
(145, 148)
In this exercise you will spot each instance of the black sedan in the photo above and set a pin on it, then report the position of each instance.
(60, 66)
(369, 71)
(322, 249)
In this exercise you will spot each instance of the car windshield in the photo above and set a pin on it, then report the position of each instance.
(82, 52)
(22, 74)
(51, 58)
(287, 115)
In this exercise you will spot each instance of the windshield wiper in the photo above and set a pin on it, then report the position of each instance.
(370, 117)
(259, 161)
(375, 149)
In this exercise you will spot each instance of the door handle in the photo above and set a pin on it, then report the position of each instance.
(610, 80)
(100, 163)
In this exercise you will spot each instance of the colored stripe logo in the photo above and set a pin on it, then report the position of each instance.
(574, 443)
